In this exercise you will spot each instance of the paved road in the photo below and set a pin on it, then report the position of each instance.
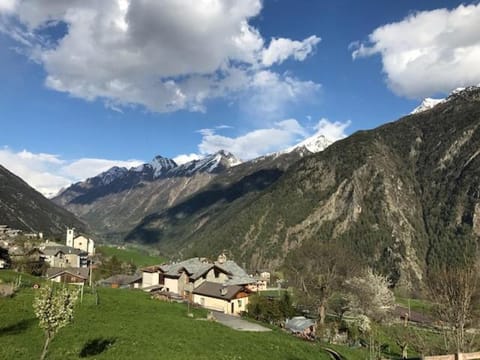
(238, 323)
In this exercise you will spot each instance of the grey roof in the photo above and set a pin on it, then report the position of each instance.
(232, 267)
(55, 271)
(214, 290)
(238, 275)
(196, 267)
(53, 250)
(193, 267)
(298, 324)
(122, 279)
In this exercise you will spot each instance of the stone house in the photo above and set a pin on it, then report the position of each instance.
(186, 277)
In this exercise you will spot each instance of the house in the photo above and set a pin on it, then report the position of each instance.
(80, 242)
(203, 282)
(152, 276)
(182, 277)
(68, 275)
(65, 256)
(122, 281)
(301, 326)
(229, 299)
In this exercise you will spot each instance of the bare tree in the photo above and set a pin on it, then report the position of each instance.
(54, 310)
(317, 271)
(452, 290)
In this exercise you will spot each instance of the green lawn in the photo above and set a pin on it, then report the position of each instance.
(136, 256)
(127, 324)
(422, 306)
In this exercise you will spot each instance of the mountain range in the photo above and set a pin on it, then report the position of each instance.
(116, 201)
(403, 197)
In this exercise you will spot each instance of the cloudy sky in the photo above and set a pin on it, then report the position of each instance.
(89, 84)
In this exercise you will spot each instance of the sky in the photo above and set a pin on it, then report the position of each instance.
(86, 85)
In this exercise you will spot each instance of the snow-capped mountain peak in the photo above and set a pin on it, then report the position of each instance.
(313, 144)
(427, 104)
(161, 165)
(212, 163)
(111, 174)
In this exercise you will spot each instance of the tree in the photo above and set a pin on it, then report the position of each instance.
(452, 290)
(317, 271)
(370, 295)
(54, 310)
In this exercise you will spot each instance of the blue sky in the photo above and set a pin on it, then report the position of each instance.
(87, 85)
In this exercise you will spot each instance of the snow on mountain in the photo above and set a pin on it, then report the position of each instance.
(161, 166)
(213, 163)
(313, 144)
(111, 174)
(427, 104)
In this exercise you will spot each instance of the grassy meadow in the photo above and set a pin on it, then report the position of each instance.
(130, 255)
(128, 324)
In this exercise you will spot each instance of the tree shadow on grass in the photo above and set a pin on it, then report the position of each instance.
(16, 328)
(96, 346)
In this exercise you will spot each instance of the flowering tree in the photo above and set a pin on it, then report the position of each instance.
(54, 310)
(370, 295)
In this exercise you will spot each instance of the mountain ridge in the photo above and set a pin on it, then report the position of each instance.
(24, 208)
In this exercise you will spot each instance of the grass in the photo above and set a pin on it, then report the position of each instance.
(127, 324)
(133, 255)
(275, 293)
(422, 306)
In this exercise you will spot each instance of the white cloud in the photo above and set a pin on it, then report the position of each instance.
(165, 55)
(271, 92)
(281, 49)
(85, 168)
(184, 158)
(7, 6)
(263, 141)
(429, 51)
(332, 130)
(48, 173)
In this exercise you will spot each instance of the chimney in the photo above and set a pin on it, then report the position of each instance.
(224, 290)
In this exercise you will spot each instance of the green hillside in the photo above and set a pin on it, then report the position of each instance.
(130, 255)
(128, 324)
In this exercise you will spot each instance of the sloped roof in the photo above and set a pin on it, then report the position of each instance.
(196, 267)
(192, 266)
(232, 267)
(79, 272)
(298, 324)
(214, 290)
(152, 268)
(53, 250)
(122, 279)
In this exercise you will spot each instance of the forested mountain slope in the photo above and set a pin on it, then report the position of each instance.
(402, 196)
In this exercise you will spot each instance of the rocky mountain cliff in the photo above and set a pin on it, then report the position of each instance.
(22, 207)
(403, 197)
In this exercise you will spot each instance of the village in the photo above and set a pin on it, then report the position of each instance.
(220, 285)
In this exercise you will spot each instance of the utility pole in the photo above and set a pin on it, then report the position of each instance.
(90, 274)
